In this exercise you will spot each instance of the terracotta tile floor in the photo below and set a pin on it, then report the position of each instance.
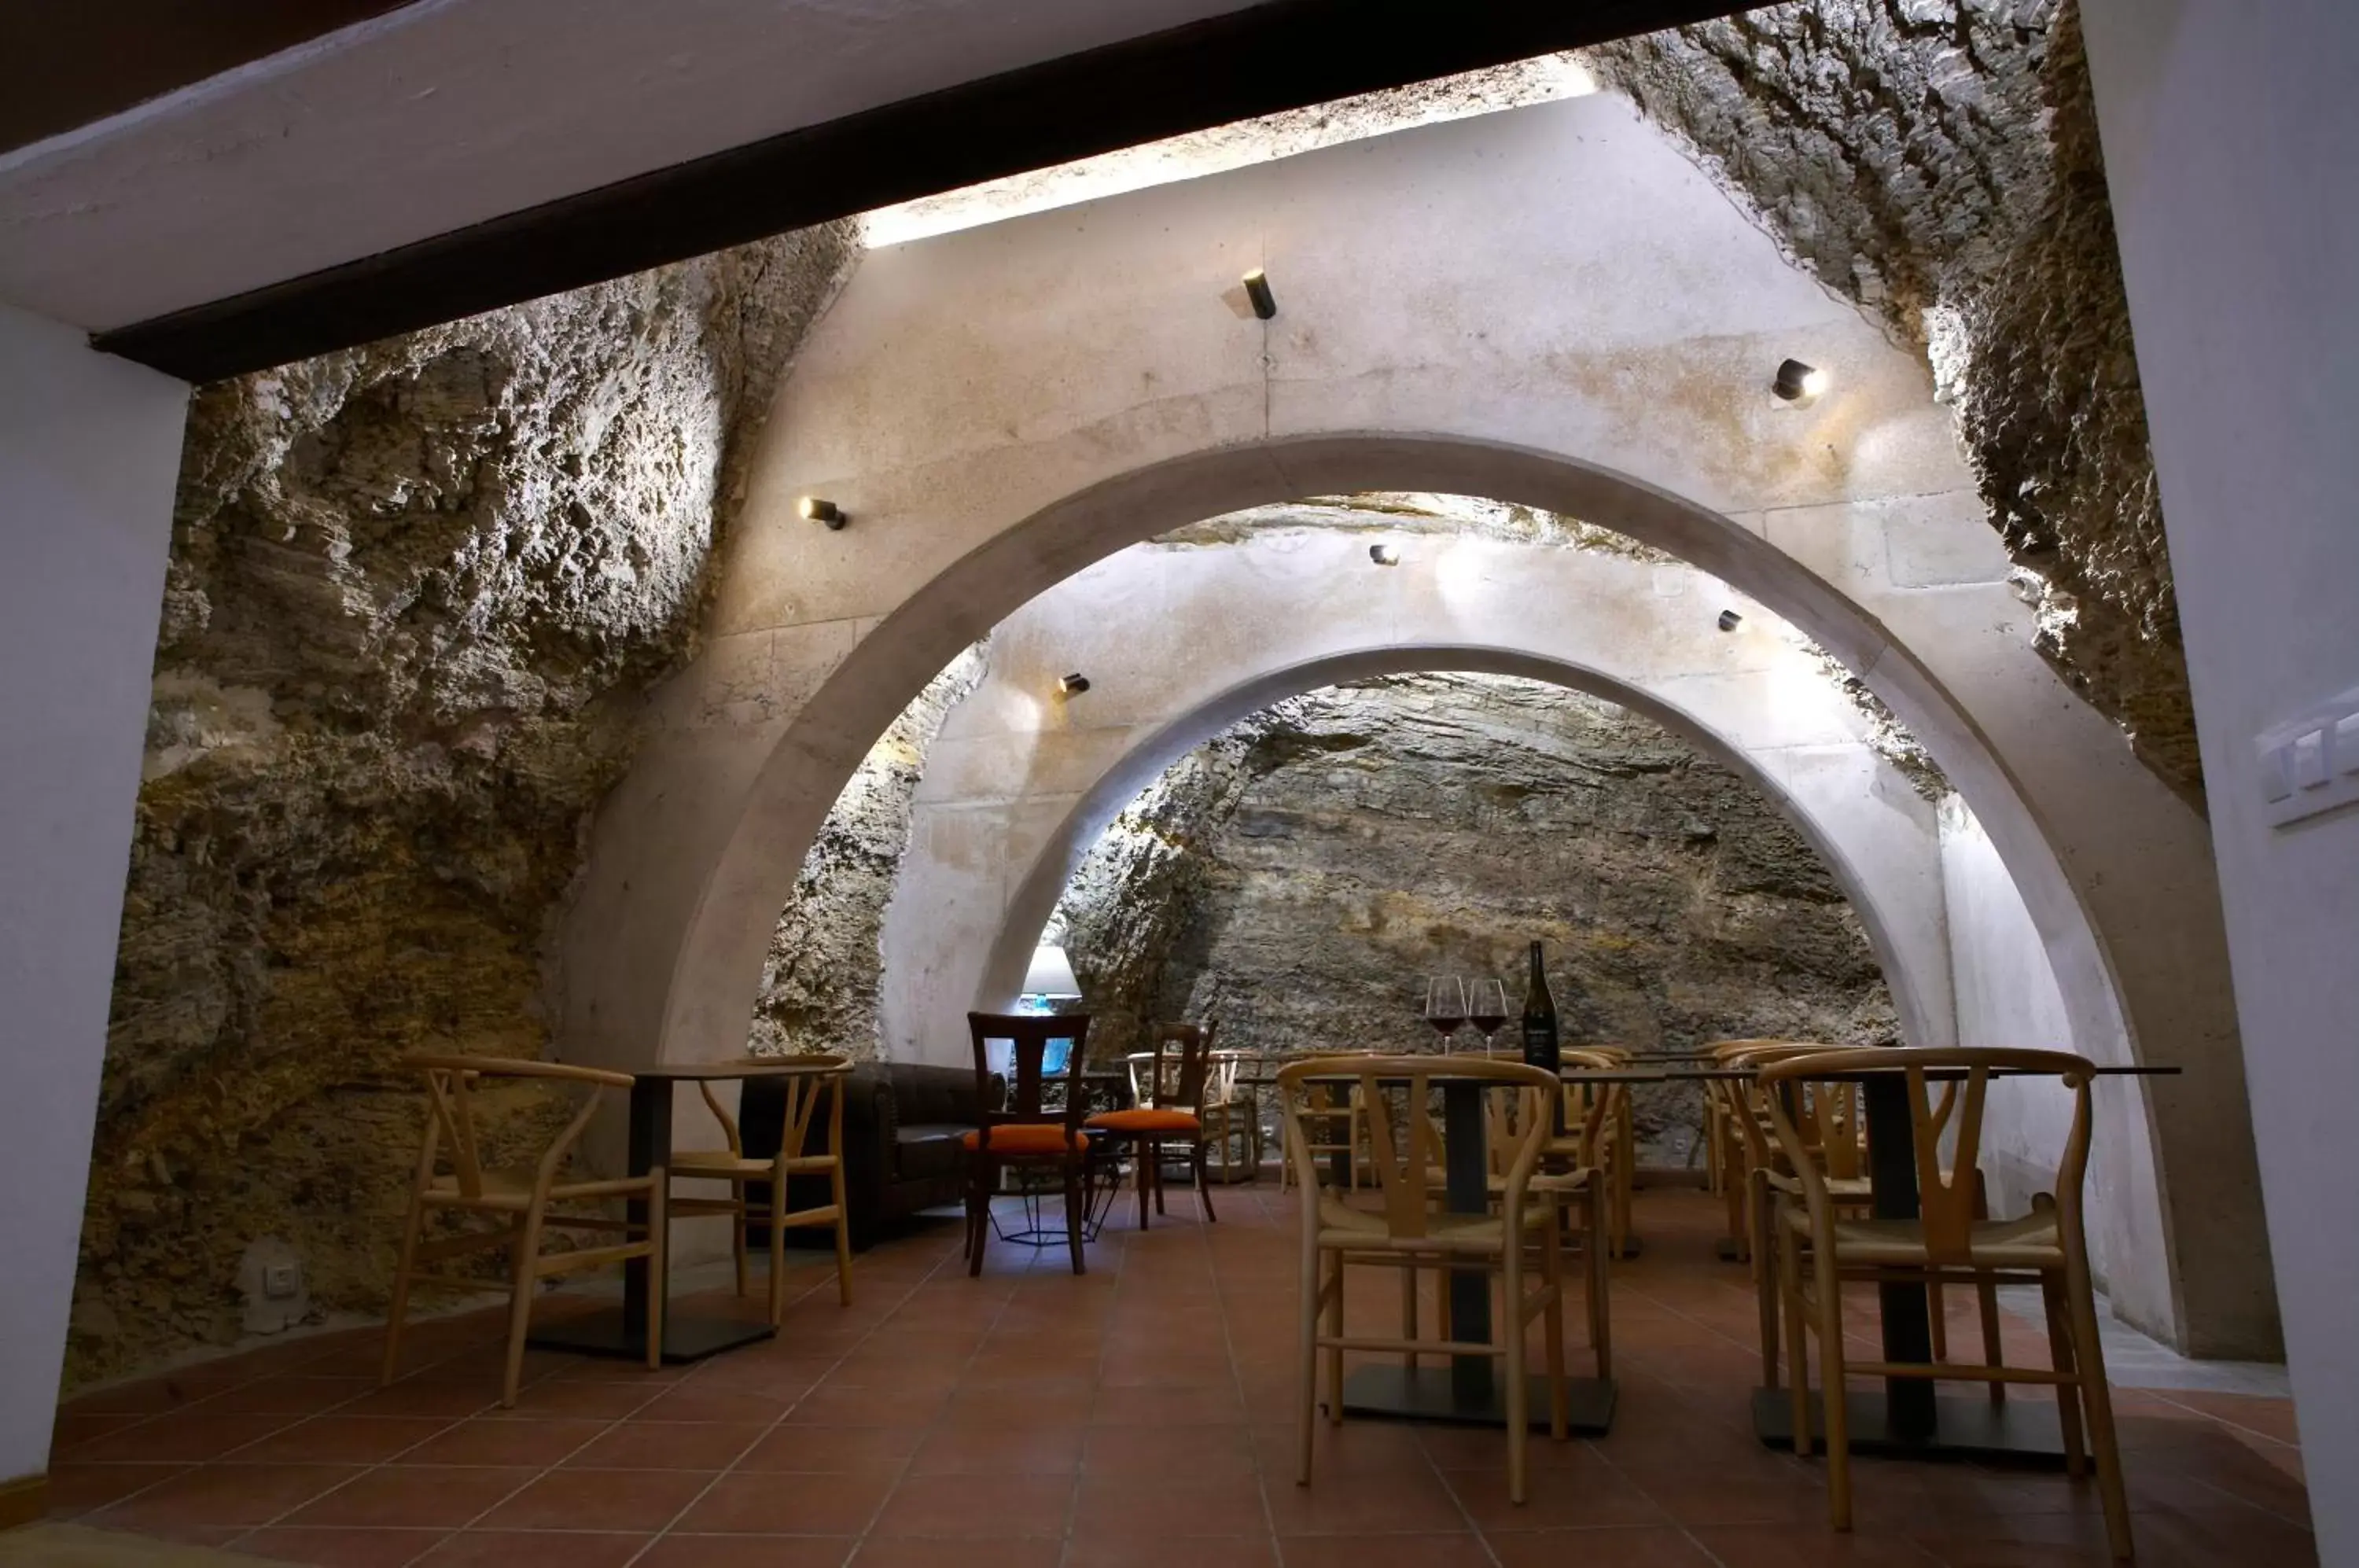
(1138, 1417)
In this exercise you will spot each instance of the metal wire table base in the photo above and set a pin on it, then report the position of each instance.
(1101, 1179)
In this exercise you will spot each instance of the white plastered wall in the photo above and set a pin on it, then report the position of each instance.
(90, 448)
(2007, 998)
(2232, 148)
(1550, 307)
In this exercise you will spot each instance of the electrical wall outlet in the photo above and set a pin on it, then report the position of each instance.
(281, 1281)
(2310, 764)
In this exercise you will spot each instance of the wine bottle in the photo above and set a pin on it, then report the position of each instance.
(1541, 1048)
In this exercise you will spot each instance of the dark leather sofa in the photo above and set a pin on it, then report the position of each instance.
(902, 1123)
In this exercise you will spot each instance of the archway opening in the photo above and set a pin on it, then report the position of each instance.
(1299, 876)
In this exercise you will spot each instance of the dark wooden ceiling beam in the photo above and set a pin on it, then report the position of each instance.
(1282, 55)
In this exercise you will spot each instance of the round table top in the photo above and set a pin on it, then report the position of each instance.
(750, 1067)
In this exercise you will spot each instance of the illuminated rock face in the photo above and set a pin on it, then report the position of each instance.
(416, 593)
(1299, 876)
(1936, 161)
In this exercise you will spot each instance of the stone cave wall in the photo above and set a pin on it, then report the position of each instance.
(417, 593)
(1298, 876)
(1936, 162)
(820, 980)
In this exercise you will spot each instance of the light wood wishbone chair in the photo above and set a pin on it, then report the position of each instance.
(521, 1195)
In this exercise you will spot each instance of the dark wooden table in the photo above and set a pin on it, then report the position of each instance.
(622, 1330)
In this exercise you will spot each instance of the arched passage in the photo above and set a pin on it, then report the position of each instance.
(1017, 788)
(997, 410)
(1019, 785)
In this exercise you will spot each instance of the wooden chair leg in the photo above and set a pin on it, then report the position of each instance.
(2097, 1402)
(1787, 1258)
(1740, 1223)
(1408, 1312)
(524, 1238)
(1552, 1331)
(778, 1285)
(978, 1216)
(399, 1307)
(1937, 1316)
(1600, 1275)
(1308, 1345)
(1335, 1357)
(739, 1218)
(1203, 1185)
(660, 1264)
(1155, 1171)
(843, 1236)
(1142, 1172)
(1076, 1204)
(2059, 1356)
(1994, 1351)
(1519, 1414)
(1830, 1386)
(1766, 1286)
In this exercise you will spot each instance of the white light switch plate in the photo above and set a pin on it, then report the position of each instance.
(2310, 764)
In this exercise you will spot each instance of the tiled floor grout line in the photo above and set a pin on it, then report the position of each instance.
(481, 1413)
(1097, 1384)
(787, 1415)
(1692, 1335)
(229, 1456)
(1237, 1381)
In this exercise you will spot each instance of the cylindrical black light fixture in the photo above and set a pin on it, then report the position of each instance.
(821, 511)
(1385, 554)
(1072, 685)
(1728, 619)
(1796, 381)
(1265, 303)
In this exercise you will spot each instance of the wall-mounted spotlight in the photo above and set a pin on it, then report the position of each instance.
(1072, 685)
(819, 510)
(1265, 303)
(1796, 381)
(1385, 554)
(1728, 620)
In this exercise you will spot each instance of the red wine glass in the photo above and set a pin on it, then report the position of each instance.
(1487, 1009)
(1445, 1005)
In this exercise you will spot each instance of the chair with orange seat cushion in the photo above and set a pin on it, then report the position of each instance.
(1025, 1131)
(1169, 1084)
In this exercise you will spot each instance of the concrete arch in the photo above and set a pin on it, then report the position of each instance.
(1016, 792)
(997, 410)
(1924, 1019)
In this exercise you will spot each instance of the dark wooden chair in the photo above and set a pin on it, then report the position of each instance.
(1025, 1132)
(1169, 1084)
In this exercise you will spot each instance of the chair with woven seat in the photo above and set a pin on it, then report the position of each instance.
(1948, 1240)
(1168, 1084)
(522, 1195)
(1829, 1117)
(1411, 1232)
(1025, 1132)
(1232, 1118)
(803, 1084)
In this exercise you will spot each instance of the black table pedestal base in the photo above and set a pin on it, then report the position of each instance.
(1966, 1427)
(685, 1338)
(1432, 1393)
